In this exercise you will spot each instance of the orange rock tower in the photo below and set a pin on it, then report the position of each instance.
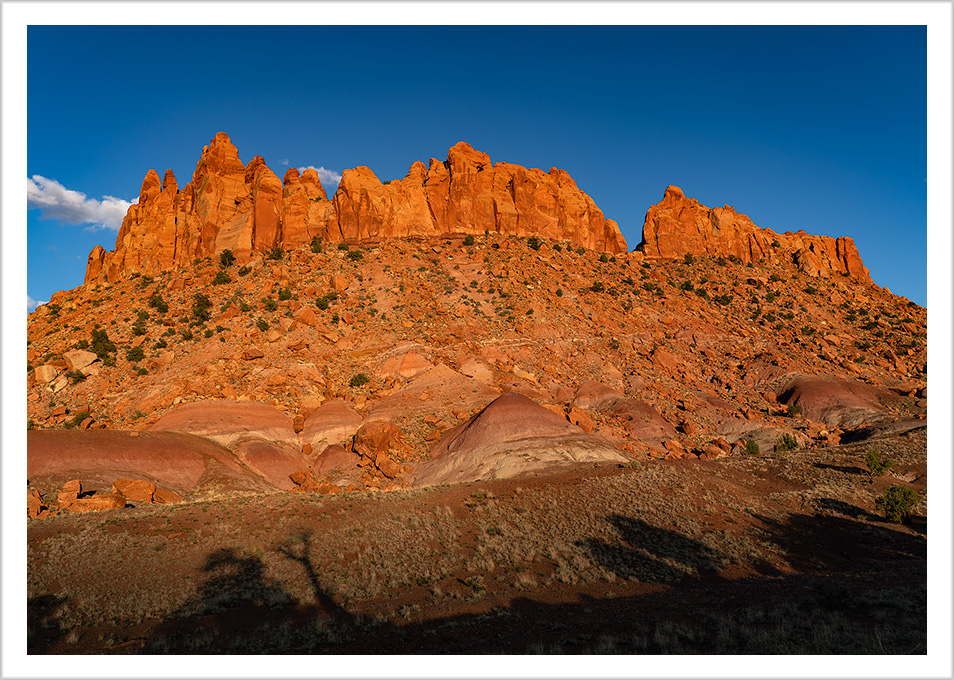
(248, 210)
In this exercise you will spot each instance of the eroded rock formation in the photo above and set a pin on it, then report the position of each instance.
(247, 209)
(678, 226)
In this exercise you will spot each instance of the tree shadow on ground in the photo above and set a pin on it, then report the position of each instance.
(813, 541)
(847, 469)
(652, 554)
(44, 625)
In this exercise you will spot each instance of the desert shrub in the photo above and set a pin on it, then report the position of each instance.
(244, 271)
(604, 258)
(469, 240)
(221, 276)
(81, 344)
(77, 420)
(262, 325)
(101, 345)
(721, 262)
(794, 410)
(76, 376)
(226, 258)
(335, 318)
(689, 259)
(138, 328)
(597, 287)
(876, 465)
(160, 344)
(751, 448)
(811, 290)
(359, 380)
(135, 354)
(140, 370)
(896, 503)
(322, 303)
(703, 293)
(315, 244)
(275, 253)
(775, 243)
(54, 308)
(557, 247)
(156, 301)
(581, 251)
(786, 442)
(245, 307)
(735, 259)
(270, 304)
(284, 294)
(208, 333)
(186, 334)
(723, 299)
(559, 292)
(686, 285)
(343, 246)
(201, 306)
(355, 255)
(862, 345)
(534, 242)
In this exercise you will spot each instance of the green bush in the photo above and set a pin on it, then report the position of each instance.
(155, 300)
(359, 380)
(794, 410)
(315, 244)
(896, 503)
(284, 294)
(76, 376)
(689, 259)
(244, 271)
(786, 442)
(275, 253)
(355, 255)
(270, 304)
(135, 354)
(245, 307)
(751, 448)
(534, 242)
(322, 303)
(101, 345)
(876, 465)
(186, 334)
(201, 306)
(557, 247)
(226, 258)
(604, 258)
(597, 287)
(343, 246)
(262, 325)
(469, 240)
(221, 276)
(581, 251)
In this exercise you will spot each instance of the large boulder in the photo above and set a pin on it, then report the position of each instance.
(511, 436)
(837, 403)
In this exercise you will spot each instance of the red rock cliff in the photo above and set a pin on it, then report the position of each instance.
(679, 225)
(248, 210)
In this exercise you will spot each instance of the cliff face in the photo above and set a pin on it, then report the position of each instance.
(248, 210)
(678, 225)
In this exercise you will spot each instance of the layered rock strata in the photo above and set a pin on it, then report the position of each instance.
(247, 209)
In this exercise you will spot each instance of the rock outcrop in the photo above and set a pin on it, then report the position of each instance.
(512, 436)
(678, 226)
(247, 209)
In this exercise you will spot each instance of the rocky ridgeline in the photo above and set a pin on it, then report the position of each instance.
(678, 226)
(247, 210)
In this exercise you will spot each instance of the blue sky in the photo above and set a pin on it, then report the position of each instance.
(815, 128)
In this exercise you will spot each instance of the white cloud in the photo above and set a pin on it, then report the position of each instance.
(72, 207)
(33, 304)
(284, 161)
(327, 177)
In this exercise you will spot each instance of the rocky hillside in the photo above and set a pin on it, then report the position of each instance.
(367, 340)
(246, 209)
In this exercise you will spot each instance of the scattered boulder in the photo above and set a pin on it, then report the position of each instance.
(36, 506)
(836, 403)
(137, 490)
